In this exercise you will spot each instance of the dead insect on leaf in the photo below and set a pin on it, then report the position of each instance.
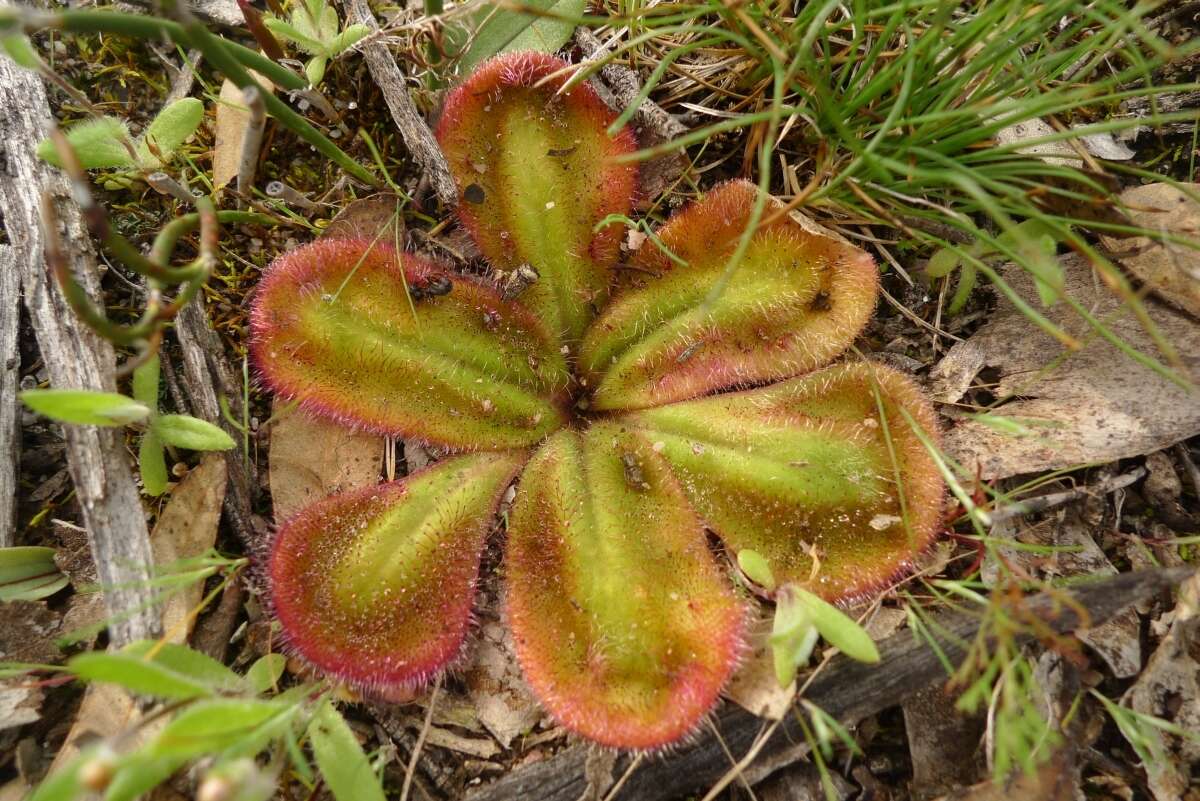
(514, 283)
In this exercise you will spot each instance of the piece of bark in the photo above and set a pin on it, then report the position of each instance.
(206, 372)
(619, 86)
(413, 128)
(944, 743)
(1092, 405)
(75, 357)
(1169, 688)
(10, 374)
(846, 689)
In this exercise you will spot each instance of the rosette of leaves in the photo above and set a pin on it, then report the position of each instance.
(636, 406)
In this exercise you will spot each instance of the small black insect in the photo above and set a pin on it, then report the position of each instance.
(821, 302)
(432, 287)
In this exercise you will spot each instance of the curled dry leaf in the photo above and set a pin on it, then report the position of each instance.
(186, 529)
(233, 118)
(1093, 405)
(502, 701)
(1171, 270)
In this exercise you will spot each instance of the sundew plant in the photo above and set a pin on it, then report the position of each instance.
(639, 407)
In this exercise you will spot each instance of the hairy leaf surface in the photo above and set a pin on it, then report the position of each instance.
(535, 174)
(625, 627)
(807, 463)
(341, 326)
(375, 586)
(795, 301)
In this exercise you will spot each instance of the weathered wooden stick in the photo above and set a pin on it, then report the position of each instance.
(413, 129)
(206, 372)
(846, 689)
(10, 373)
(75, 357)
(625, 87)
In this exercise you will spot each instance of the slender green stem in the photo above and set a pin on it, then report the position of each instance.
(141, 26)
(214, 50)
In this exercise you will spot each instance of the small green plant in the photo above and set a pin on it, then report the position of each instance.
(313, 26)
(1032, 239)
(214, 716)
(106, 142)
(84, 407)
(636, 408)
(800, 618)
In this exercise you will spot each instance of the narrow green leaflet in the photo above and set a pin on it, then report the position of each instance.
(187, 662)
(63, 784)
(793, 637)
(152, 465)
(239, 726)
(548, 34)
(18, 47)
(265, 672)
(139, 773)
(756, 568)
(341, 759)
(145, 383)
(85, 407)
(28, 573)
(498, 28)
(184, 431)
(137, 675)
(836, 627)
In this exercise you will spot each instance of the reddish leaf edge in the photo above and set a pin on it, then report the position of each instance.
(526, 69)
(371, 686)
(286, 267)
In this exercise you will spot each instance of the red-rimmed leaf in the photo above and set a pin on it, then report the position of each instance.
(421, 352)
(795, 302)
(807, 462)
(535, 174)
(625, 627)
(375, 586)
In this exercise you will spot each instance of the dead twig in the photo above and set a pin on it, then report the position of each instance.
(1043, 502)
(413, 129)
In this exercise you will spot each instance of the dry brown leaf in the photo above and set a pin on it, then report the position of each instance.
(1171, 270)
(186, 529)
(1169, 688)
(232, 120)
(376, 217)
(311, 458)
(754, 686)
(106, 710)
(1053, 781)
(1093, 405)
(1118, 639)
